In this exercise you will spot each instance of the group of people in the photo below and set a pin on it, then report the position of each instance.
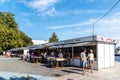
(47, 57)
(28, 56)
(52, 53)
(87, 61)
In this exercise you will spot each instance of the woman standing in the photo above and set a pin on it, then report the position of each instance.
(91, 60)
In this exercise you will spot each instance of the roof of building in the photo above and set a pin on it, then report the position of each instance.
(72, 42)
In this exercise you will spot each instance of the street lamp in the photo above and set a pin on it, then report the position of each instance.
(93, 31)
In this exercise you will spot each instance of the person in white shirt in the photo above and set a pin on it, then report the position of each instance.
(52, 54)
(91, 60)
(28, 56)
(84, 60)
(45, 57)
(60, 55)
(25, 55)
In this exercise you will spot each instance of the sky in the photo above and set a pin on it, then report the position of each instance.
(67, 18)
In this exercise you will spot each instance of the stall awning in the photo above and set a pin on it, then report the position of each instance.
(74, 45)
(17, 49)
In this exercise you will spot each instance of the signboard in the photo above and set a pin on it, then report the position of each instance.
(99, 38)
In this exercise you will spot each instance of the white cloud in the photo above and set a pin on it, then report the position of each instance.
(108, 26)
(92, 1)
(85, 23)
(24, 13)
(111, 23)
(44, 7)
(88, 11)
(3, 1)
(69, 34)
(52, 12)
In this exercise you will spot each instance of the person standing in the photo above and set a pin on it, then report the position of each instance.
(60, 55)
(91, 60)
(28, 56)
(68, 58)
(84, 61)
(52, 54)
(25, 56)
(42, 56)
(45, 57)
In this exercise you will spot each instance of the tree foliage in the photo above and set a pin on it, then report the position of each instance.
(54, 38)
(10, 35)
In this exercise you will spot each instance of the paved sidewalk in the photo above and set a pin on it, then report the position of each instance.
(112, 73)
(19, 66)
(105, 74)
(15, 69)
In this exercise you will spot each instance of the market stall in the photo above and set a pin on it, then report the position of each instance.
(104, 50)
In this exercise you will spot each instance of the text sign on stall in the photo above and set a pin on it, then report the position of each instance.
(99, 38)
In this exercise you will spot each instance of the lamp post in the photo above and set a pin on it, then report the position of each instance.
(93, 30)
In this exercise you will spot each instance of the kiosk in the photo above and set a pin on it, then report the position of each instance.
(18, 52)
(104, 50)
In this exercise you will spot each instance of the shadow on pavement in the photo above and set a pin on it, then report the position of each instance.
(19, 78)
(56, 75)
(2, 78)
(75, 69)
(69, 71)
(46, 65)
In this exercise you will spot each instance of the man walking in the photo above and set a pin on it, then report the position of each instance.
(84, 61)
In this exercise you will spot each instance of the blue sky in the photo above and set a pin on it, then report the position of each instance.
(67, 18)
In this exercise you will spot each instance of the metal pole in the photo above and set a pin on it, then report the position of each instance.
(93, 31)
(72, 55)
(93, 28)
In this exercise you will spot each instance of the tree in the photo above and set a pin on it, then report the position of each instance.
(10, 35)
(54, 38)
(26, 39)
(9, 20)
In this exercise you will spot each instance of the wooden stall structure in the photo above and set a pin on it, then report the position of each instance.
(18, 52)
(103, 47)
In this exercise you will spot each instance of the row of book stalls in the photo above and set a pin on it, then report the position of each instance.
(104, 50)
